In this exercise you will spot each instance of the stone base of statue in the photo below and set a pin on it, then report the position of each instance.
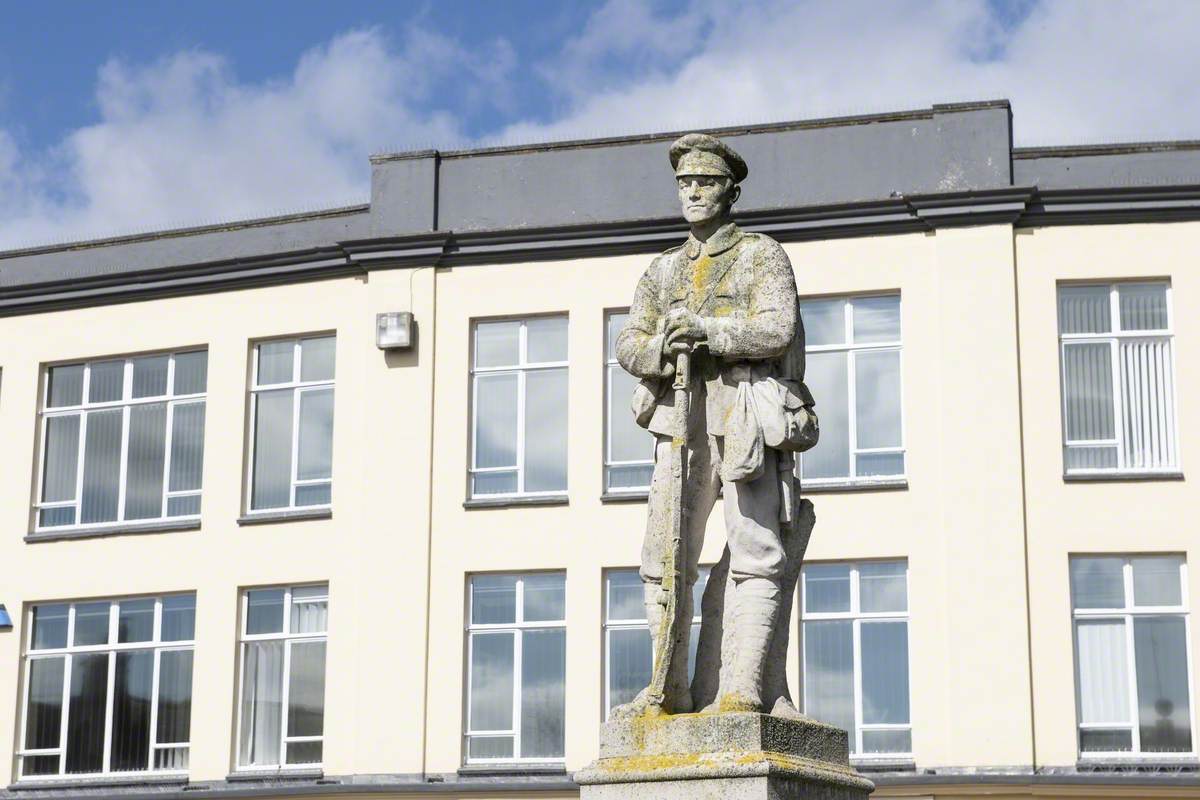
(732, 755)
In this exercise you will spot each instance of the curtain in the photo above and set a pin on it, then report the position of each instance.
(174, 697)
(66, 386)
(106, 381)
(191, 372)
(1103, 671)
(492, 681)
(187, 446)
(132, 687)
(150, 376)
(629, 663)
(101, 466)
(62, 458)
(85, 726)
(1084, 309)
(546, 430)
(315, 457)
(43, 717)
(543, 693)
(272, 449)
(1147, 394)
(827, 377)
(276, 362)
(829, 673)
(496, 431)
(262, 698)
(146, 457)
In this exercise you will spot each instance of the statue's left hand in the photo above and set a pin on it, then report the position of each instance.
(684, 325)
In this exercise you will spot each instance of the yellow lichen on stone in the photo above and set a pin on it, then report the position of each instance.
(651, 763)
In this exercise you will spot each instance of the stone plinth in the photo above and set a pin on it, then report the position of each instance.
(702, 756)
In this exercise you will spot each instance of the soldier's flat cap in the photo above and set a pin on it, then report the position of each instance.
(701, 154)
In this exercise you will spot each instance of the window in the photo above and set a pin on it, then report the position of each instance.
(853, 355)
(122, 441)
(519, 388)
(856, 653)
(1131, 655)
(108, 687)
(1118, 378)
(282, 709)
(628, 448)
(629, 658)
(517, 662)
(292, 424)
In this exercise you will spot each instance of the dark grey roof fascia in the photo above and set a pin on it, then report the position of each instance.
(1105, 149)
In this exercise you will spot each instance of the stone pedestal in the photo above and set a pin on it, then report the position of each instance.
(739, 756)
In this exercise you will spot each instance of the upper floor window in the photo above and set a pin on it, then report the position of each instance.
(1118, 378)
(628, 448)
(519, 402)
(853, 355)
(855, 653)
(122, 440)
(1131, 655)
(517, 668)
(108, 687)
(291, 416)
(281, 716)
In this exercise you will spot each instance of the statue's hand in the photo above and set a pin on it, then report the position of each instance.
(683, 324)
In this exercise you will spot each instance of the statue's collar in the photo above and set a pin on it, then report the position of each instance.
(723, 239)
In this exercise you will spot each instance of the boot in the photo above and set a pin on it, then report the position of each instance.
(757, 606)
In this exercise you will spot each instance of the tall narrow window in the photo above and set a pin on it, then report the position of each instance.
(1118, 378)
(281, 715)
(1131, 655)
(853, 350)
(628, 449)
(628, 654)
(108, 687)
(519, 388)
(856, 653)
(122, 441)
(292, 424)
(517, 664)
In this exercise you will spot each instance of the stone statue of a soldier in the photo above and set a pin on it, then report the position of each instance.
(726, 298)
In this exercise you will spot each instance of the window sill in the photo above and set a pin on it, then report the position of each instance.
(890, 484)
(1135, 763)
(290, 515)
(639, 496)
(899, 764)
(281, 774)
(124, 529)
(1104, 477)
(100, 781)
(506, 502)
(498, 770)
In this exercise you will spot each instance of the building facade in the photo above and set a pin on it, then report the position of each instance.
(249, 552)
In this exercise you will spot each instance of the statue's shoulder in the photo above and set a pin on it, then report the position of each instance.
(669, 252)
(664, 259)
(764, 247)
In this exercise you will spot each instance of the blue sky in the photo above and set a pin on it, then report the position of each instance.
(119, 117)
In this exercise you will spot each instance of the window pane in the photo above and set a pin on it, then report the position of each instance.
(175, 758)
(101, 466)
(174, 696)
(145, 461)
(272, 450)
(306, 690)
(62, 459)
(876, 319)
(50, 626)
(315, 459)
(1147, 403)
(135, 620)
(184, 506)
(869, 465)
(179, 618)
(1143, 306)
(824, 321)
(1084, 309)
(1103, 672)
(53, 517)
(1097, 582)
(276, 362)
(1156, 581)
(625, 595)
(191, 372)
(887, 741)
(829, 673)
(826, 588)
(546, 430)
(491, 682)
(85, 719)
(317, 358)
(316, 494)
(39, 765)
(91, 623)
(490, 747)
(546, 339)
(1091, 457)
(627, 478)
(1088, 387)
(150, 376)
(493, 599)
(884, 672)
(132, 689)
(264, 611)
(543, 693)
(497, 344)
(826, 377)
(304, 752)
(615, 323)
(43, 717)
(310, 609)
(627, 440)
(882, 586)
(630, 657)
(187, 447)
(66, 386)
(545, 598)
(496, 420)
(262, 704)
(106, 381)
(877, 398)
(1160, 653)
(1101, 741)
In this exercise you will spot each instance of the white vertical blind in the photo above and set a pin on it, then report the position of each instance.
(1147, 388)
(1103, 676)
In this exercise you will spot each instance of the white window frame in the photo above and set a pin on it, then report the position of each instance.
(517, 628)
(610, 363)
(156, 645)
(127, 402)
(851, 351)
(288, 639)
(1113, 339)
(298, 388)
(1127, 614)
(521, 369)
(857, 617)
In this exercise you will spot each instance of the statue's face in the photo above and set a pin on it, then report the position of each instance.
(704, 197)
